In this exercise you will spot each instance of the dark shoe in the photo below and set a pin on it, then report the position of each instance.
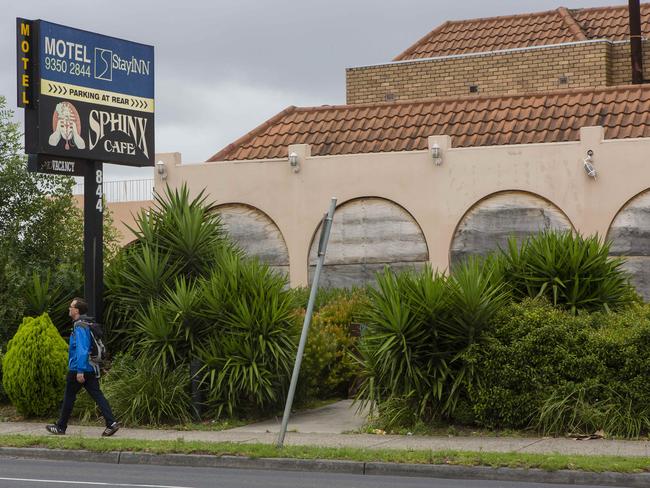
(54, 429)
(109, 431)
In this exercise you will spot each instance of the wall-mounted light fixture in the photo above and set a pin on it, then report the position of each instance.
(436, 154)
(589, 167)
(161, 169)
(294, 162)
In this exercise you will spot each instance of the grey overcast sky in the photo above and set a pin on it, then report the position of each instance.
(225, 66)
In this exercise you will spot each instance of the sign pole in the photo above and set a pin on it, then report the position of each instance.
(322, 247)
(94, 238)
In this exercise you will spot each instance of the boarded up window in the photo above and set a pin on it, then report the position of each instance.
(256, 234)
(630, 236)
(492, 221)
(368, 234)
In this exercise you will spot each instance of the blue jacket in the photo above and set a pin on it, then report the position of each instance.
(79, 347)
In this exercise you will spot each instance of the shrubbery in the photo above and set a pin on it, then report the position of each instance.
(466, 348)
(34, 367)
(3, 394)
(548, 369)
(330, 367)
(533, 349)
(183, 294)
(144, 394)
(572, 272)
(419, 325)
(249, 355)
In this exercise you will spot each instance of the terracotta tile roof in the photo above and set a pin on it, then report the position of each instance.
(624, 111)
(525, 30)
(610, 22)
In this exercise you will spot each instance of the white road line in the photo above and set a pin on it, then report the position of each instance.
(94, 483)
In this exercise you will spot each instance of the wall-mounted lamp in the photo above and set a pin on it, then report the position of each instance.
(436, 154)
(161, 169)
(589, 167)
(293, 161)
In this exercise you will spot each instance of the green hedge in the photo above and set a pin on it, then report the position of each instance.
(34, 367)
(329, 368)
(546, 368)
(3, 395)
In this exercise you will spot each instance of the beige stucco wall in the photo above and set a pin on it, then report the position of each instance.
(123, 216)
(436, 196)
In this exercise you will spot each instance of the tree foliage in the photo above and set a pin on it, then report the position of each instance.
(40, 226)
(41, 236)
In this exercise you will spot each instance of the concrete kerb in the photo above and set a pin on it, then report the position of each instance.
(339, 466)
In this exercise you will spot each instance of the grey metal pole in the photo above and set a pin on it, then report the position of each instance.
(322, 246)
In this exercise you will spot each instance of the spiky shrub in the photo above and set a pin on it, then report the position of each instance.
(143, 394)
(34, 367)
(569, 270)
(50, 292)
(177, 243)
(420, 326)
(249, 355)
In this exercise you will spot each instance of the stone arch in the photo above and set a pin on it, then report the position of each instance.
(490, 221)
(629, 234)
(256, 233)
(367, 234)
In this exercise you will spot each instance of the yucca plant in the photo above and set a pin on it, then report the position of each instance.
(179, 241)
(399, 351)
(153, 286)
(571, 271)
(52, 293)
(473, 299)
(249, 355)
(420, 325)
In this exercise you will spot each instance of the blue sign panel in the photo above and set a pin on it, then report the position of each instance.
(85, 59)
(89, 97)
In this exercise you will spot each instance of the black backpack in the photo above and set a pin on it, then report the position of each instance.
(97, 352)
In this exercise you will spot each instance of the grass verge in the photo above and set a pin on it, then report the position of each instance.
(548, 462)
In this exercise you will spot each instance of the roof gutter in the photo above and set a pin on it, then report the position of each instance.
(636, 46)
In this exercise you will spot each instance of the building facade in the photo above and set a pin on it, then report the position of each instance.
(481, 130)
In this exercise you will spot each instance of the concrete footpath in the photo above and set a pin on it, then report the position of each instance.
(331, 426)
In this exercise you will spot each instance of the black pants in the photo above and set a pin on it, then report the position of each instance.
(72, 387)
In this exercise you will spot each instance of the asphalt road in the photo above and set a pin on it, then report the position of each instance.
(32, 473)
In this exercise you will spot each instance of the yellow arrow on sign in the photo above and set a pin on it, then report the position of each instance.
(99, 97)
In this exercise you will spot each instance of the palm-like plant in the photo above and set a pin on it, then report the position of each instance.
(571, 271)
(419, 327)
(179, 241)
(249, 354)
(473, 299)
(399, 352)
(51, 293)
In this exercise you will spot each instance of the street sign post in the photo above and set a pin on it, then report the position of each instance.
(88, 99)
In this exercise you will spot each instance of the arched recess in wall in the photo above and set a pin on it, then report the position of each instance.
(490, 222)
(256, 234)
(630, 236)
(367, 234)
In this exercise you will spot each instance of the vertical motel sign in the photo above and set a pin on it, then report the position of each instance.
(88, 99)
